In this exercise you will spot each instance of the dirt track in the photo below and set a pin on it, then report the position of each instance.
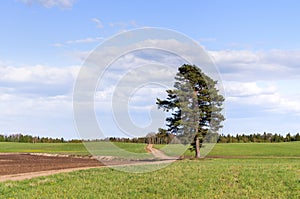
(157, 153)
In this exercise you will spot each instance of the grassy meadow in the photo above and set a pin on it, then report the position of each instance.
(286, 149)
(281, 149)
(61, 148)
(100, 148)
(207, 178)
(259, 170)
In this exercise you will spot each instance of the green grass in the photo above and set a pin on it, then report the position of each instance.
(125, 150)
(288, 149)
(208, 178)
(283, 149)
(172, 149)
(122, 150)
(263, 174)
(62, 148)
(109, 146)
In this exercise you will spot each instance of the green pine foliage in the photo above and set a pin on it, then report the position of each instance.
(195, 104)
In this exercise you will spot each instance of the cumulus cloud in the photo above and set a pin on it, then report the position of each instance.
(134, 76)
(38, 74)
(261, 97)
(37, 81)
(98, 22)
(244, 89)
(51, 3)
(176, 54)
(250, 79)
(257, 65)
(37, 115)
(57, 45)
(37, 99)
(14, 105)
(86, 40)
(124, 25)
(78, 41)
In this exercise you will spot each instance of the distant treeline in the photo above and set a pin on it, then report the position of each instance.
(151, 138)
(167, 138)
(29, 139)
(265, 137)
(157, 138)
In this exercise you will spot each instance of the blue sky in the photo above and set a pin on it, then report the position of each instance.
(255, 45)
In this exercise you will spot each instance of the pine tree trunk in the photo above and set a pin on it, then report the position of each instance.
(197, 147)
(197, 155)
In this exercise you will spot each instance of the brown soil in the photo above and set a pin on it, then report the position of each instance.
(24, 163)
(17, 166)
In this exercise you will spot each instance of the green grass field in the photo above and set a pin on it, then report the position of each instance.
(289, 149)
(62, 148)
(286, 149)
(208, 178)
(260, 170)
(118, 149)
(282, 149)
(101, 148)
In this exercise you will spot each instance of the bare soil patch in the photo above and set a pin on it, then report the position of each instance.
(13, 164)
(18, 166)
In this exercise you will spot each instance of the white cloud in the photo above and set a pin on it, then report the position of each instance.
(38, 74)
(14, 105)
(257, 65)
(36, 115)
(37, 99)
(57, 45)
(251, 80)
(250, 77)
(86, 40)
(234, 65)
(264, 96)
(78, 41)
(98, 22)
(51, 3)
(130, 72)
(183, 51)
(123, 25)
(244, 89)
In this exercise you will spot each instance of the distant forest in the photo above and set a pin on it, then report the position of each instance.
(157, 138)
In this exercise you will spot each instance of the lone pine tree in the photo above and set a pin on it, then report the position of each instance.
(195, 105)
